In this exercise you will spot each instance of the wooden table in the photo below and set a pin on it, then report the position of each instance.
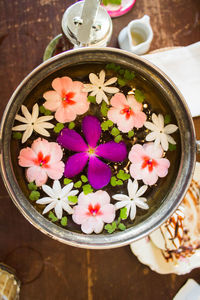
(50, 270)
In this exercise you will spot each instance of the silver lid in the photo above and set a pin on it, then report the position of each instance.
(87, 24)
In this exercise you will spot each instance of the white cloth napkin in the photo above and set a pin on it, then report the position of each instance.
(190, 291)
(182, 65)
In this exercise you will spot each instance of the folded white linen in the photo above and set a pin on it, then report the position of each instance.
(182, 65)
(190, 291)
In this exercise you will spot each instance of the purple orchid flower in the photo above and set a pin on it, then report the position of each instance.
(99, 173)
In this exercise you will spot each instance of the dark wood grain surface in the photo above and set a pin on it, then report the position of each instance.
(48, 269)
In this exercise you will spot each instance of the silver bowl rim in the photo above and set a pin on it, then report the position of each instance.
(101, 241)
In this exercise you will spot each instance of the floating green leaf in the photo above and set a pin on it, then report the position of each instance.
(123, 213)
(78, 184)
(167, 119)
(121, 71)
(115, 131)
(71, 125)
(84, 178)
(34, 195)
(104, 126)
(129, 75)
(44, 111)
(121, 82)
(130, 134)
(52, 217)
(121, 226)
(119, 182)
(32, 186)
(17, 135)
(139, 95)
(111, 227)
(123, 175)
(110, 66)
(110, 123)
(87, 189)
(67, 181)
(104, 109)
(63, 221)
(118, 138)
(172, 147)
(91, 99)
(58, 127)
(113, 181)
(73, 199)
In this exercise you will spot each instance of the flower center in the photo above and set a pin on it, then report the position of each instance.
(94, 210)
(127, 110)
(91, 151)
(150, 163)
(67, 99)
(42, 160)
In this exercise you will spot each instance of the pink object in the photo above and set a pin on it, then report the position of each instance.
(43, 160)
(147, 163)
(119, 10)
(126, 112)
(67, 99)
(92, 211)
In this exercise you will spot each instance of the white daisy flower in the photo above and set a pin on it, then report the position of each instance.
(133, 199)
(58, 198)
(98, 87)
(160, 133)
(32, 122)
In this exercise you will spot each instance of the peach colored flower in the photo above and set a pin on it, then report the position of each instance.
(126, 112)
(93, 210)
(147, 163)
(67, 100)
(43, 160)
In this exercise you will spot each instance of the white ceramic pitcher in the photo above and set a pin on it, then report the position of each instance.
(136, 37)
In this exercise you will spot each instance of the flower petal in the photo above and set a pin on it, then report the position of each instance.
(53, 100)
(44, 124)
(121, 197)
(171, 128)
(26, 157)
(35, 113)
(71, 140)
(49, 191)
(156, 121)
(27, 133)
(36, 174)
(20, 127)
(121, 204)
(49, 207)
(118, 101)
(39, 129)
(151, 136)
(65, 114)
(110, 90)
(91, 127)
(133, 211)
(21, 119)
(141, 191)
(132, 188)
(66, 190)
(141, 203)
(57, 188)
(98, 173)
(26, 113)
(75, 164)
(164, 141)
(67, 208)
(151, 126)
(112, 151)
(170, 139)
(62, 85)
(111, 81)
(45, 200)
(44, 119)
(161, 121)
(58, 210)
(162, 167)
(94, 79)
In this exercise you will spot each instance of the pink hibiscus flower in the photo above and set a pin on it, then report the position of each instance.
(67, 99)
(147, 163)
(93, 210)
(43, 160)
(126, 112)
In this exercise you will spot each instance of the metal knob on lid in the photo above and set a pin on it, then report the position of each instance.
(86, 23)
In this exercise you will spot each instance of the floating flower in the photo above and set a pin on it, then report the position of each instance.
(32, 122)
(98, 87)
(58, 198)
(43, 160)
(160, 133)
(67, 100)
(133, 199)
(92, 211)
(126, 112)
(147, 163)
(99, 173)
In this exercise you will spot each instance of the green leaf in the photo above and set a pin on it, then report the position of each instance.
(63, 221)
(34, 195)
(104, 126)
(110, 66)
(73, 199)
(58, 127)
(118, 138)
(123, 213)
(128, 75)
(110, 123)
(130, 134)
(119, 182)
(139, 95)
(87, 189)
(32, 186)
(121, 226)
(113, 181)
(52, 217)
(167, 119)
(84, 178)
(110, 227)
(123, 175)
(172, 147)
(17, 135)
(104, 109)
(115, 131)
(121, 82)
(42, 109)
(67, 181)
(78, 184)
(121, 71)
(47, 112)
(91, 99)
(71, 125)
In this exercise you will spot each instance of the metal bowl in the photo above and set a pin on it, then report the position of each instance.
(187, 137)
